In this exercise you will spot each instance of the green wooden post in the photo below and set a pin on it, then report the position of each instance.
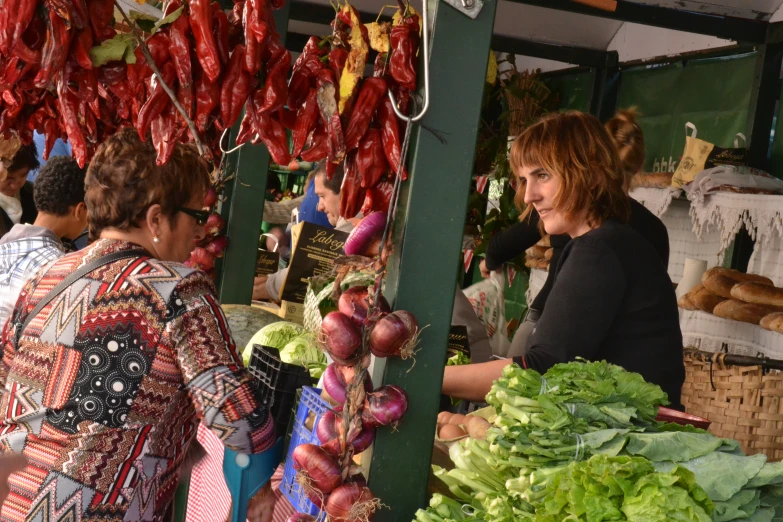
(424, 267)
(243, 209)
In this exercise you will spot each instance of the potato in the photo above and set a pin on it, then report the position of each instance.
(449, 432)
(443, 417)
(477, 428)
(457, 420)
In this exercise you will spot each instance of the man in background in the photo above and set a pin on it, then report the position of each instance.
(25, 249)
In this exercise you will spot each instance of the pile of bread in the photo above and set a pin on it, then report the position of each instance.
(732, 294)
(539, 255)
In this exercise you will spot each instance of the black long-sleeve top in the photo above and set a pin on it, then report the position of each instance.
(513, 241)
(611, 299)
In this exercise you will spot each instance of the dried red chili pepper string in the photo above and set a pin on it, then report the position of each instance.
(152, 65)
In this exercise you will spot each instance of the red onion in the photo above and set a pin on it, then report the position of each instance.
(363, 440)
(384, 406)
(301, 517)
(351, 502)
(369, 230)
(354, 303)
(217, 246)
(211, 198)
(394, 335)
(328, 432)
(336, 380)
(327, 427)
(201, 257)
(319, 469)
(340, 337)
(214, 225)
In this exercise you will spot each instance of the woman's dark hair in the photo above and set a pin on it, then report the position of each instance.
(59, 186)
(25, 158)
(629, 138)
(123, 182)
(334, 184)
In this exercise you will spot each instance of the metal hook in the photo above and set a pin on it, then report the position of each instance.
(426, 51)
(222, 137)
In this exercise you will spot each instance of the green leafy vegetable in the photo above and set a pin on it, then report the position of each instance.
(621, 488)
(673, 446)
(302, 351)
(458, 359)
(275, 335)
(722, 475)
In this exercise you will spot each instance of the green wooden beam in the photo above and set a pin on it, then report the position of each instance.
(423, 270)
(244, 207)
(559, 53)
(601, 74)
(765, 91)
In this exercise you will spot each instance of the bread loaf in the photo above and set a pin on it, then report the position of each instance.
(658, 180)
(685, 303)
(703, 299)
(720, 281)
(758, 293)
(745, 312)
(545, 242)
(548, 254)
(773, 321)
(536, 252)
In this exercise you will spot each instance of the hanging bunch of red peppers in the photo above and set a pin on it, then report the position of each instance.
(348, 120)
(66, 72)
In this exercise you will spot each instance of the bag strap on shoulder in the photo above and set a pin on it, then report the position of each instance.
(71, 279)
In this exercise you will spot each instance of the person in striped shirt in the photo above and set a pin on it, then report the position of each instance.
(25, 249)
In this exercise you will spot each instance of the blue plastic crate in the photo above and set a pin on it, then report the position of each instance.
(311, 402)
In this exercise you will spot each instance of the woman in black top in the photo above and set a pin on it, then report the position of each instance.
(611, 298)
(628, 137)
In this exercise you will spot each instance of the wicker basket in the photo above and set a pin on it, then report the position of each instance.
(743, 402)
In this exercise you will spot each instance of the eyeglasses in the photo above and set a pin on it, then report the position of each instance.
(200, 216)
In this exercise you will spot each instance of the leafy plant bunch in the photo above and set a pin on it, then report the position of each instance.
(581, 443)
(511, 103)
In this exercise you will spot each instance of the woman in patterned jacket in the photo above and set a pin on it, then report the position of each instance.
(104, 390)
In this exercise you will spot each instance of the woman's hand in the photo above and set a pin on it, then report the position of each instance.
(262, 506)
(483, 267)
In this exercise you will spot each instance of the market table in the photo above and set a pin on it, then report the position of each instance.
(710, 333)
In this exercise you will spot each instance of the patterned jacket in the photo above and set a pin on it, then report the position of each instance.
(108, 383)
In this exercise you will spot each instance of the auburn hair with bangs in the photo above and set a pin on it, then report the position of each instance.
(577, 149)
